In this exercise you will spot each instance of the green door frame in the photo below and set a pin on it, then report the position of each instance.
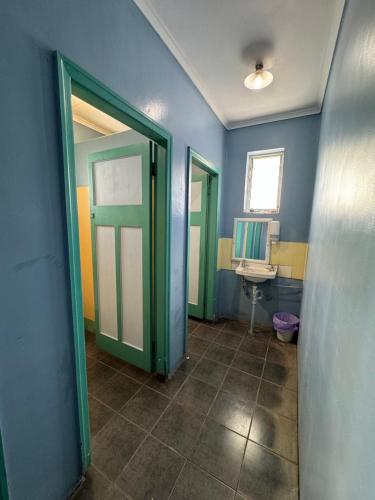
(3, 477)
(73, 78)
(212, 234)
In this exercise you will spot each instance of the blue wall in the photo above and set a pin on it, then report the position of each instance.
(299, 137)
(337, 342)
(115, 43)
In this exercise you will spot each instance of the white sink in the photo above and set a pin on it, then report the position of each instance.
(257, 273)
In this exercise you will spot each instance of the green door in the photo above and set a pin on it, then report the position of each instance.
(120, 199)
(198, 244)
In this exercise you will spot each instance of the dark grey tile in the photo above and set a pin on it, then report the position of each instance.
(112, 361)
(197, 346)
(196, 395)
(188, 364)
(253, 347)
(248, 363)
(262, 334)
(228, 339)
(91, 348)
(114, 493)
(236, 327)
(282, 354)
(99, 415)
(281, 375)
(114, 445)
(179, 428)
(194, 484)
(136, 373)
(168, 387)
(275, 432)
(209, 371)
(98, 374)
(152, 472)
(241, 384)
(233, 412)
(239, 497)
(220, 353)
(145, 407)
(117, 391)
(278, 399)
(90, 362)
(205, 332)
(192, 325)
(266, 476)
(95, 487)
(220, 452)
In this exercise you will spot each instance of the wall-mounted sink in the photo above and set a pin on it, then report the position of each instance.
(256, 273)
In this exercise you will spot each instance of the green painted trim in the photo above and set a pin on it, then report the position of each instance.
(72, 76)
(213, 225)
(3, 477)
(89, 325)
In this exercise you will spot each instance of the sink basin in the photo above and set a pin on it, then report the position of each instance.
(257, 273)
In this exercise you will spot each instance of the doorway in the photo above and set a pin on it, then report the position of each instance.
(130, 229)
(201, 256)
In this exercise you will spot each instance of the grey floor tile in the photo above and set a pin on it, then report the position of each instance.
(197, 346)
(114, 493)
(95, 487)
(228, 339)
(168, 387)
(91, 348)
(275, 432)
(99, 415)
(114, 445)
(196, 395)
(209, 371)
(98, 374)
(241, 384)
(248, 363)
(145, 407)
(266, 476)
(220, 353)
(205, 332)
(220, 452)
(281, 375)
(179, 428)
(112, 361)
(282, 354)
(192, 325)
(262, 334)
(188, 364)
(136, 373)
(253, 347)
(278, 399)
(152, 472)
(237, 327)
(117, 391)
(195, 484)
(233, 412)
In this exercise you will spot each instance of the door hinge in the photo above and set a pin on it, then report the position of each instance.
(92, 215)
(153, 168)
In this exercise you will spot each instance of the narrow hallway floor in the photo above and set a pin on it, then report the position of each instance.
(224, 427)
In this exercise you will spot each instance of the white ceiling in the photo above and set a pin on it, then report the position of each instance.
(218, 41)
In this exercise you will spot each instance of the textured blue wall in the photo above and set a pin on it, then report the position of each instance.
(115, 43)
(299, 137)
(337, 342)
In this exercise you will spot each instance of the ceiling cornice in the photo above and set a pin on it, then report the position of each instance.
(296, 113)
(160, 28)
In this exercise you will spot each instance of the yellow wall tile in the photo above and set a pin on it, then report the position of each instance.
(224, 254)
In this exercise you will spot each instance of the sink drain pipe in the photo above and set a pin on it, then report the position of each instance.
(255, 295)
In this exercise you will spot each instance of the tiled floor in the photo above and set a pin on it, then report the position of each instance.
(224, 427)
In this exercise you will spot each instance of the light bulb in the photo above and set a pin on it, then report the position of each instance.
(259, 79)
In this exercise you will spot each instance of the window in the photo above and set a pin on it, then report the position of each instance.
(264, 172)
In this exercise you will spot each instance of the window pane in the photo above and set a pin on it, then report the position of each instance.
(265, 183)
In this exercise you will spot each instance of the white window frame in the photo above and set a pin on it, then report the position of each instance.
(249, 172)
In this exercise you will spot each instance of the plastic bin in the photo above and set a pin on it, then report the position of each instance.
(285, 325)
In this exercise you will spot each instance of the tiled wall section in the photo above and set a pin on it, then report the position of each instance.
(283, 253)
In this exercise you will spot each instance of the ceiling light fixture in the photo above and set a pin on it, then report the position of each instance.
(258, 80)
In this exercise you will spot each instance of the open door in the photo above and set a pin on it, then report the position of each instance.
(198, 244)
(120, 204)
